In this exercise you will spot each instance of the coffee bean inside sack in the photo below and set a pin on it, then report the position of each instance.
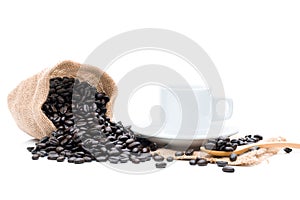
(84, 132)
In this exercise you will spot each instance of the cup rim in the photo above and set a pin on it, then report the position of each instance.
(194, 88)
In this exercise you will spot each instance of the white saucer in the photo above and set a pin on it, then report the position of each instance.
(171, 141)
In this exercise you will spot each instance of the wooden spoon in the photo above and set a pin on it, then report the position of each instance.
(244, 148)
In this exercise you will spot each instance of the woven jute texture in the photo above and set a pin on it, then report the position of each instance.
(26, 100)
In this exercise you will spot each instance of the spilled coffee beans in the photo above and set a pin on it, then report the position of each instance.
(202, 162)
(193, 162)
(170, 159)
(232, 157)
(161, 165)
(221, 163)
(189, 152)
(84, 132)
(228, 169)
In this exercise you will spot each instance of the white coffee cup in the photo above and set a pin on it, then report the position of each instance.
(192, 111)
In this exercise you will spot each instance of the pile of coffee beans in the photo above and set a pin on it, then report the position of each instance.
(84, 132)
(226, 144)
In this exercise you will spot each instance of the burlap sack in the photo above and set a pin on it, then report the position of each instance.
(26, 100)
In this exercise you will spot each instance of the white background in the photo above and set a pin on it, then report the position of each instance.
(254, 44)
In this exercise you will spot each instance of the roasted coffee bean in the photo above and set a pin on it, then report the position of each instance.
(79, 154)
(69, 122)
(125, 154)
(153, 146)
(258, 137)
(79, 161)
(234, 146)
(161, 165)
(288, 150)
(135, 160)
(79, 124)
(124, 160)
(103, 149)
(69, 154)
(111, 138)
(228, 169)
(135, 150)
(144, 157)
(149, 155)
(170, 159)
(234, 141)
(43, 153)
(108, 129)
(114, 152)
(228, 149)
(87, 159)
(145, 150)
(101, 158)
(109, 145)
(134, 144)
(44, 139)
(35, 156)
(119, 146)
(52, 152)
(30, 149)
(189, 152)
(193, 162)
(221, 163)
(64, 142)
(210, 146)
(125, 150)
(113, 160)
(129, 141)
(35, 150)
(232, 157)
(158, 158)
(202, 162)
(179, 153)
(41, 145)
(123, 138)
(60, 159)
(53, 156)
(59, 149)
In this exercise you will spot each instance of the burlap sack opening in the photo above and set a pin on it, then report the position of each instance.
(26, 100)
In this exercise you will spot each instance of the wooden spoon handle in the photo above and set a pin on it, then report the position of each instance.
(269, 145)
(277, 144)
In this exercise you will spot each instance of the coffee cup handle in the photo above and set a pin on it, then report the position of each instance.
(228, 112)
